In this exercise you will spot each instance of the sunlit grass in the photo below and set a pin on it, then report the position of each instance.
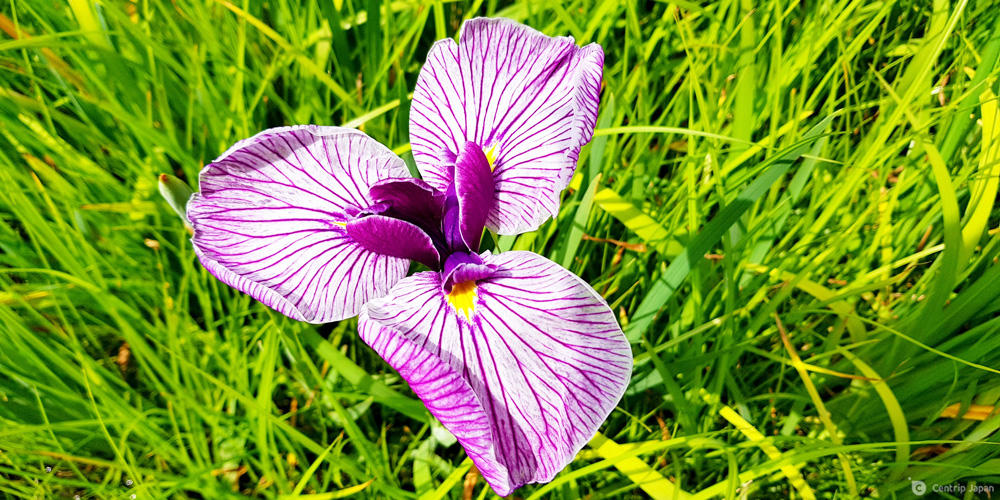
(821, 171)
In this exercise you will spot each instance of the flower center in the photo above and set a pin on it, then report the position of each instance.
(491, 155)
(462, 298)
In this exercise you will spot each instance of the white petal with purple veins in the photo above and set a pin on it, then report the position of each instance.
(528, 99)
(270, 217)
(522, 369)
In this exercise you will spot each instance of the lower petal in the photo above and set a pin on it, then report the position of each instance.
(447, 395)
(534, 354)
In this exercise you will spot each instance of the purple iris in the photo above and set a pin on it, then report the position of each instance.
(519, 358)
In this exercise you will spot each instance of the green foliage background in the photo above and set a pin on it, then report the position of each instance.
(826, 170)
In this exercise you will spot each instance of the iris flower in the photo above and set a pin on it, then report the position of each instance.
(519, 358)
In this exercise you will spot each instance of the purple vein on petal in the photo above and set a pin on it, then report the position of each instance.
(542, 357)
(532, 96)
(263, 243)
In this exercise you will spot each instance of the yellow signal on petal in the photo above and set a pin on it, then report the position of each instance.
(463, 298)
(491, 155)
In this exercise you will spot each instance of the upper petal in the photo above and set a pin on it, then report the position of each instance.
(524, 380)
(529, 100)
(270, 220)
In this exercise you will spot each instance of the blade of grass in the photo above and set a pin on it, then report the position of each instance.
(672, 278)
(647, 479)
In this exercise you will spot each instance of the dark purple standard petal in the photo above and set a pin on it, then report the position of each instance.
(395, 238)
(521, 366)
(474, 191)
(528, 100)
(462, 267)
(410, 199)
(270, 220)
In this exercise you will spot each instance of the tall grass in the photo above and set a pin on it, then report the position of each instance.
(790, 205)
